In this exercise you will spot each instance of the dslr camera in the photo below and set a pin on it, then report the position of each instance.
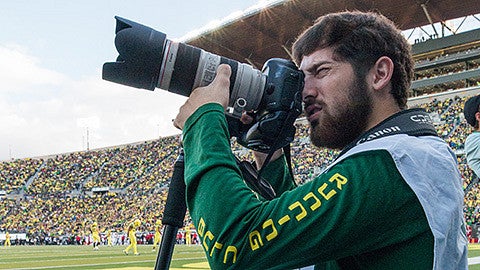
(148, 60)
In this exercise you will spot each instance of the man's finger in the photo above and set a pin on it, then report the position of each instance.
(223, 75)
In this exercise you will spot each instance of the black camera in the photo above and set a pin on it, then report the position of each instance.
(148, 60)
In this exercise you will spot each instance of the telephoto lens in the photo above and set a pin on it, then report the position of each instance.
(148, 60)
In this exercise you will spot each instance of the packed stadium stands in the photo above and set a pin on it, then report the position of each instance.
(55, 197)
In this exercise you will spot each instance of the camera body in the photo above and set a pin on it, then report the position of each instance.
(148, 60)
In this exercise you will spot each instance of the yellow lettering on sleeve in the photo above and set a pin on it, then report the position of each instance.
(210, 236)
(201, 227)
(340, 179)
(327, 196)
(283, 220)
(317, 203)
(255, 240)
(230, 249)
(218, 246)
(303, 212)
(274, 233)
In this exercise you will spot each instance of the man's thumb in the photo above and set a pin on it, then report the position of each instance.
(223, 75)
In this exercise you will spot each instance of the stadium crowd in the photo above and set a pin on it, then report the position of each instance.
(53, 199)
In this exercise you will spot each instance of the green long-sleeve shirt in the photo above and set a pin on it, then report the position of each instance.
(361, 213)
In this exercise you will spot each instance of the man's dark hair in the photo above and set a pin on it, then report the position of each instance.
(361, 38)
(471, 107)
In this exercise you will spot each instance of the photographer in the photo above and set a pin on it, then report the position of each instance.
(391, 200)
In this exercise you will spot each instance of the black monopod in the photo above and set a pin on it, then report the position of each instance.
(176, 205)
(173, 215)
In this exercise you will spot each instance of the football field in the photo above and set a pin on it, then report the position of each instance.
(83, 257)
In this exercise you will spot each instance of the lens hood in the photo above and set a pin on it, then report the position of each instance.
(140, 51)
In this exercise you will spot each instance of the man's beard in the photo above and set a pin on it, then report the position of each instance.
(348, 121)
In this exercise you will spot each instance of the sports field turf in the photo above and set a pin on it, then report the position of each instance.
(83, 257)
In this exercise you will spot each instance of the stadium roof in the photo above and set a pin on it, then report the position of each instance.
(269, 31)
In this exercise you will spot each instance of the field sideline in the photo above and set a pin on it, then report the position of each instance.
(83, 257)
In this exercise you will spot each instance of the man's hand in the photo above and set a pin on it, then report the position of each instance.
(216, 92)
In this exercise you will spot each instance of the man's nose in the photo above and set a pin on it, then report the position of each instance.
(309, 91)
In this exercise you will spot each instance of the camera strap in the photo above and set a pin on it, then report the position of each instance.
(255, 181)
(254, 178)
(413, 122)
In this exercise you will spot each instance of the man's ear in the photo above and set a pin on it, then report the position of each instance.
(381, 73)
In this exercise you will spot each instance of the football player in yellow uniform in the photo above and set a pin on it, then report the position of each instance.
(157, 237)
(131, 230)
(95, 235)
(188, 235)
(7, 240)
(108, 234)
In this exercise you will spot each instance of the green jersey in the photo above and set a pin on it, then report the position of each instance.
(359, 214)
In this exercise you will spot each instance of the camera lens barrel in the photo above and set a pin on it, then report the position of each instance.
(185, 68)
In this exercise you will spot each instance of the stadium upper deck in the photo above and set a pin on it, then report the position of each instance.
(447, 58)
(264, 32)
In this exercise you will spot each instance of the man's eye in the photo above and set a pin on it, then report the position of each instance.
(321, 71)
